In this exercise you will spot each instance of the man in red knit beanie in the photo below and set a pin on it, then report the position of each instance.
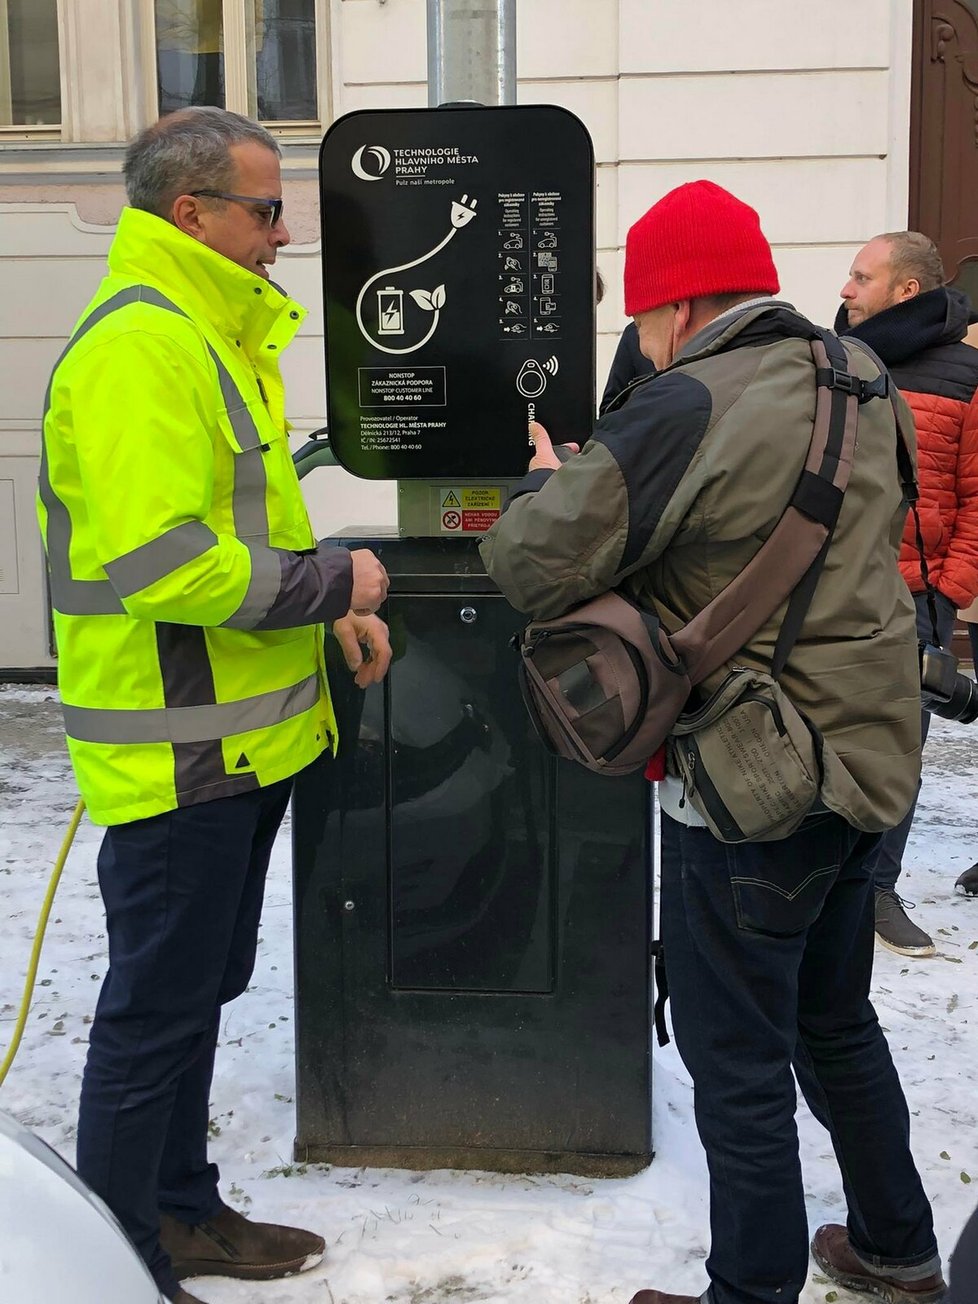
(768, 945)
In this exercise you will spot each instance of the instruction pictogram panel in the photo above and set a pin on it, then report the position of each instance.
(458, 268)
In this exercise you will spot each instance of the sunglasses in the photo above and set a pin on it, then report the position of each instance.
(273, 207)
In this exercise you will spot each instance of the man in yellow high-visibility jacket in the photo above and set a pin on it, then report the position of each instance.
(189, 600)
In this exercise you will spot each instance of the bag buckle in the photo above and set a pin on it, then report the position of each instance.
(864, 390)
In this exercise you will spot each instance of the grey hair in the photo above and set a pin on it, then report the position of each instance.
(914, 255)
(186, 151)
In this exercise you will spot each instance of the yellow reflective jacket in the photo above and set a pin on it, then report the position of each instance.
(186, 582)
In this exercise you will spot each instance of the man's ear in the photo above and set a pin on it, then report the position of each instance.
(911, 289)
(680, 324)
(186, 216)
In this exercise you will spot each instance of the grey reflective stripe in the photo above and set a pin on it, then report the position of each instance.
(159, 557)
(249, 506)
(242, 422)
(263, 589)
(200, 772)
(250, 481)
(135, 294)
(191, 724)
(69, 596)
(74, 597)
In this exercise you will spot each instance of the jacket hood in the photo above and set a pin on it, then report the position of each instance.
(940, 316)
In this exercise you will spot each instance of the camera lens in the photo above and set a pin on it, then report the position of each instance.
(961, 704)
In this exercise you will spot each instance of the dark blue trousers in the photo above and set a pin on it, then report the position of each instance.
(769, 954)
(183, 896)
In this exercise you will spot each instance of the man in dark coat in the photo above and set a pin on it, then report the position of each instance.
(896, 302)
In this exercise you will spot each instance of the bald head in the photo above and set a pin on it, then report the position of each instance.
(889, 270)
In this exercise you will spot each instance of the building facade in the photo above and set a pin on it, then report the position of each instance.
(804, 111)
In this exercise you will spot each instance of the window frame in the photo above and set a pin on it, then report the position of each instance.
(19, 132)
(240, 85)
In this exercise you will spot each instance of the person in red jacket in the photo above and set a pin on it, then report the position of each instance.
(895, 300)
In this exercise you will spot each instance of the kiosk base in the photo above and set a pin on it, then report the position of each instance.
(473, 917)
(483, 1158)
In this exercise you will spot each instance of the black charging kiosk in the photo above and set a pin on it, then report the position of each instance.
(473, 917)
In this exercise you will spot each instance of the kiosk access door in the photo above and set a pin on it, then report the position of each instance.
(472, 915)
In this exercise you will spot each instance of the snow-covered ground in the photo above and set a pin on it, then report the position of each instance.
(421, 1238)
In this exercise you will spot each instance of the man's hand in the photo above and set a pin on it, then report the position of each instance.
(352, 630)
(369, 583)
(545, 456)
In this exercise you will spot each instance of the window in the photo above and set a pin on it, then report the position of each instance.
(257, 57)
(30, 76)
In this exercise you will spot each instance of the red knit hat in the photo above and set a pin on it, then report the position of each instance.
(697, 240)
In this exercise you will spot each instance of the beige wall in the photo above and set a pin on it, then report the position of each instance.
(801, 110)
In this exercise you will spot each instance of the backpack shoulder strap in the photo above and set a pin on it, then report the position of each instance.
(800, 538)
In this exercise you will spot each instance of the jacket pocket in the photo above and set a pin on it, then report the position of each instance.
(265, 498)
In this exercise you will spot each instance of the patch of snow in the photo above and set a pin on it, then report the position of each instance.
(422, 1238)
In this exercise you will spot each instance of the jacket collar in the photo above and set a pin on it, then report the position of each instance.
(725, 331)
(935, 317)
(239, 304)
(747, 325)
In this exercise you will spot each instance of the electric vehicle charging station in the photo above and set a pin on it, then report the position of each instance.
(473, 917)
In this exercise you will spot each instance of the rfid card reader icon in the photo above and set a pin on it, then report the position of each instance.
(532, 378)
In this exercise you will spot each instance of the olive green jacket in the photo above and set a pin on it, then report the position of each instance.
(675, 492)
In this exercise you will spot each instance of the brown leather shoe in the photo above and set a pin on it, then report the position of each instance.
(834, 1255)
(659, 1297)
(228, 1245)
(182, 1297)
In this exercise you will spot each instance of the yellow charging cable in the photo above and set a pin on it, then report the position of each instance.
(42, 924)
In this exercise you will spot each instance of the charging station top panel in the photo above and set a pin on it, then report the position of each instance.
(458, 271)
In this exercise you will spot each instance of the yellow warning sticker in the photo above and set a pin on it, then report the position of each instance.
(481, 498)
(470, 509)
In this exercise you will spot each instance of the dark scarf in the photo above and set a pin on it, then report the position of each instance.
(939, 316)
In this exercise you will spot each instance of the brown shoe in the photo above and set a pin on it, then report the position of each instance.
(228, 1245)
(182, 1297)
(835, 1256)
(659, 1297)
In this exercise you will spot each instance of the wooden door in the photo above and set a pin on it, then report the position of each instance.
(944, 134)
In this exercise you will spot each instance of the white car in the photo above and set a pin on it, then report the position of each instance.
(59, 1244)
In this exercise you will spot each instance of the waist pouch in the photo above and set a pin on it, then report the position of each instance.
(750, 762)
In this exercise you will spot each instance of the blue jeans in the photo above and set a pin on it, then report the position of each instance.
(768, 953)
(183, 896)
(889, 855)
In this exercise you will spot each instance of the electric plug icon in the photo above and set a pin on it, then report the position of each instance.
(463, 211)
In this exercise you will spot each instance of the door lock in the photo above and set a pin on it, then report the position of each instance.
(468, 615)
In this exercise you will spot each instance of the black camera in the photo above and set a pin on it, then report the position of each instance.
(943, 691)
